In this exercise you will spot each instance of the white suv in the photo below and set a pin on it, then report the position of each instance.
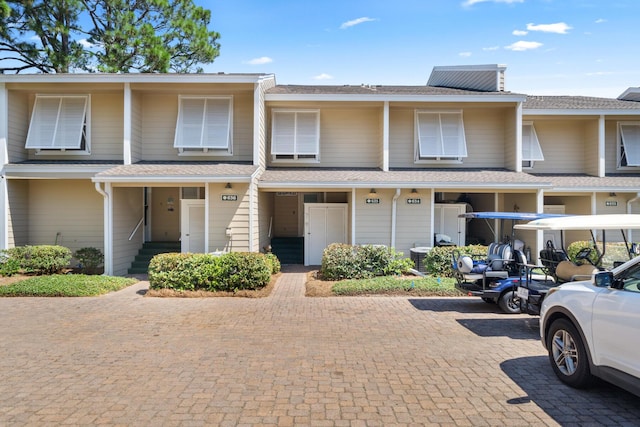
(592, 328)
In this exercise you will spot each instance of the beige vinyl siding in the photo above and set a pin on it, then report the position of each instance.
(373, 221)
(413, 222)
(562, 143)
(590, 135)
(229, 214)
(262, 109)
(127, 211)
(18, 120)
(484, 133)
(66, 212)
(510, 133)
(18, 209)
(107, 126)
(136, 127)
(350, 138)
(159, 116)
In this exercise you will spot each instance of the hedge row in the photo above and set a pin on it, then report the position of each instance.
(439, 261)
(342, 261)
(41, 259)
(232, 272)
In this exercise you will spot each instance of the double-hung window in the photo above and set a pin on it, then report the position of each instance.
(628, 144)
(439, 136)
(204, 125)
(531, 150)
(59, 124)
(295, 135)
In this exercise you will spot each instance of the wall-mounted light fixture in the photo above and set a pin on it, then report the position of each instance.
(613, 195)
(414, 191)
(228, 186)
(372, 193)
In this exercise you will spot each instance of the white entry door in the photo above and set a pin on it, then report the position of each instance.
(192, 225)
(325, 223)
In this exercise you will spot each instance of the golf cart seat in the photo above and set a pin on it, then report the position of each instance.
(567, 271)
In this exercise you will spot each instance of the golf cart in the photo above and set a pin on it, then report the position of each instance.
(557, 263)
(495, 277)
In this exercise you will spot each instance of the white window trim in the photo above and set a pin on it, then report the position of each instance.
(201, 150)
(295, 158)
(438, 160)
(620, 146)
(86, 125)
(531, 161)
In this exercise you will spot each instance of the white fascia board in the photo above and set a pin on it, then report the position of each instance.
(133, 78)
(394, 98)
(606, 189)
(53, 171)
(578, 112)
(172, 179)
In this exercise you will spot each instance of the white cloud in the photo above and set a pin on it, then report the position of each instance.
(355, 22)
(520, 32)
(260, 61)
(558, 28)
(600, 21)
(85, 43)
(490, 48)
(464, 54)
(523, 45)
(472, 2)
(323, 76)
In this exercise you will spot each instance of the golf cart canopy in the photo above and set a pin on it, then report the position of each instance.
(515, 216)
(585, 222)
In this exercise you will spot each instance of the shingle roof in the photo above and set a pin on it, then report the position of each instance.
(375, 90)
(341, 178)
(617, 182)
(577, 103)
(180, 171)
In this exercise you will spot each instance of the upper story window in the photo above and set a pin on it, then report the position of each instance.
(295, 135)
(204, 125)
(628, 144)
(531, 150)
(439, 136)
(59, 125)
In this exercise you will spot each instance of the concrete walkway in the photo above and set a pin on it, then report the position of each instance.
(126, 359)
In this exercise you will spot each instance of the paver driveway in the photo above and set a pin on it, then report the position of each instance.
(284, 360)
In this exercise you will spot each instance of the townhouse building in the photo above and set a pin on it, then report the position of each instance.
(236, 162)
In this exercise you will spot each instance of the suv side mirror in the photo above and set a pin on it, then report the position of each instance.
(604, 279)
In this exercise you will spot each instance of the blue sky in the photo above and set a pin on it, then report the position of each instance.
(550, 47)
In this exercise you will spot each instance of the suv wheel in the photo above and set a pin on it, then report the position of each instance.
(568, 355)
(509, 302)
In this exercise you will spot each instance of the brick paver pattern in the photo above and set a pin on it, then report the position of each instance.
(287, 360)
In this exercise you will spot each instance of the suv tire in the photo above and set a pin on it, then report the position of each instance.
(568, 355)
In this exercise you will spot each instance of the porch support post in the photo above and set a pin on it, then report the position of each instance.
(127, 125)
(385, 137)
(601, 147)
(354, 201)
(518, 165)
(540, 243)
(206, 217)
(107, 193)
(4, 159)
(394, 216)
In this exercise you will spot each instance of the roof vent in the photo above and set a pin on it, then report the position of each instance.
(485, 78)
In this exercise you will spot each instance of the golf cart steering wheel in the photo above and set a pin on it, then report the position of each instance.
(584, 254)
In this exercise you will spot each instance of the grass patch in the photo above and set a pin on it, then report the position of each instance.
(65, 285)
(384, 285)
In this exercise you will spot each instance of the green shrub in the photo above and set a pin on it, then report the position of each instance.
(229, 272)
(342, 261)
(41, 259)
(90, 259)
(439, 261)
(244, 270)
(273, 260)
(577, 246)
(8, 265)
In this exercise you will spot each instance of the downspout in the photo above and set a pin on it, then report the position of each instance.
(394, 214)
(108, 243)
(629, 209)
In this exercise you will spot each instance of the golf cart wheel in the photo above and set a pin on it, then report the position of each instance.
(509, 302)
(568, 355)
(489, 300)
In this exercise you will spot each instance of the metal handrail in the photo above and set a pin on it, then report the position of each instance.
(135, 230)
